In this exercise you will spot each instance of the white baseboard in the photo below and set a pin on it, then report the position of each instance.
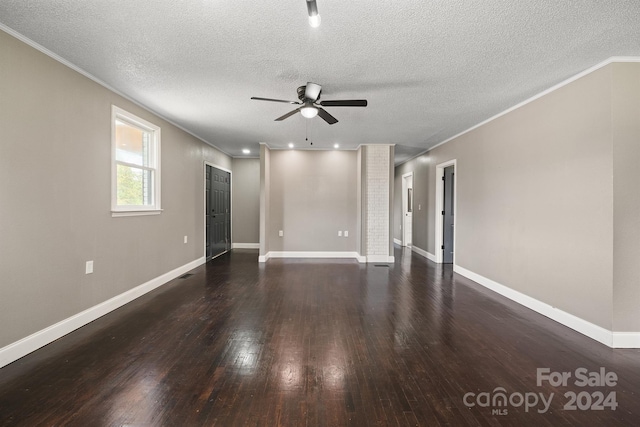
(326, 254)
(245, 246)
(589, 329)
(21, 348)
(397, 242)
(312, 254)
(427, 255)
(626, 340)
(380, 258)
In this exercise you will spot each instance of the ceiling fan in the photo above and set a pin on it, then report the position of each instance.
(309, 96)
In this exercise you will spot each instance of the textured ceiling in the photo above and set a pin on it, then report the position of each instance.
(429, 69)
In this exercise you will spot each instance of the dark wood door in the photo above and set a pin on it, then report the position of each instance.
(218, 211)
(448, 220)
(207, 214)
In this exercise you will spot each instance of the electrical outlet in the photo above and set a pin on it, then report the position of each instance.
(186, 239)
(419, 207)
(346, 233)
(88, 268)
(339, 233)
(280, 233)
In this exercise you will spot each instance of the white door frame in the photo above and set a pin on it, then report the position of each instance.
(405, 202)
(204, 198)
(439, 228)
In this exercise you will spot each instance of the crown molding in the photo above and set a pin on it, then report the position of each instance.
(93, 78)
(611, 60)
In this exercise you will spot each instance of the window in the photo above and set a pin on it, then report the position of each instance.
(135, 165)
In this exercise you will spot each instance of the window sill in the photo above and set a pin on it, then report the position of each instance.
(136, 213)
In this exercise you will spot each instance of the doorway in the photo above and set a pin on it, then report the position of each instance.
(217, 211)
(447, 215)
(445, 212)
(407, 209)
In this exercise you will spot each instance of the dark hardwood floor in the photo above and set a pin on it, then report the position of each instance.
(317, 343)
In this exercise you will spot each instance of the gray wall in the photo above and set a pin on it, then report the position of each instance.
(313, 195)
(245, 207)
(265, 198)
(360, 211)
(626, 208)
(55, 195)
(534, 198)
(391, 201)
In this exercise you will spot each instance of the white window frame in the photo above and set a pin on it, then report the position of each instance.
(134, 210)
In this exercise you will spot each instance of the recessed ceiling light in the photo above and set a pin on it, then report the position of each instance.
(336, 145)
(291, 145)
(246, 151)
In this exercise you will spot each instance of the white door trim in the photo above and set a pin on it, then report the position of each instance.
(439, 196)
(405, 202)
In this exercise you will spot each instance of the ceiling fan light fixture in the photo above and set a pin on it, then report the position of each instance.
(309, 111)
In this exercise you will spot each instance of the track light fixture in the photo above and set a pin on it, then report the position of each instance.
(314, 16)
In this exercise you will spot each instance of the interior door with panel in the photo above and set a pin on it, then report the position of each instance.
(207, 214)
(218, 211)
(447, 215)
(407, 209)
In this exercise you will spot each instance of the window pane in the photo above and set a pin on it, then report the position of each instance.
(134, 186)
(133, 144)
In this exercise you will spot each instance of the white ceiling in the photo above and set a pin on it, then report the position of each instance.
(429, 69)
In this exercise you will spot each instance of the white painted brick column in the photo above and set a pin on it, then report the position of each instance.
(376, 194)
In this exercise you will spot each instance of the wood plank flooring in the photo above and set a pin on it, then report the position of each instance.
(316, 343)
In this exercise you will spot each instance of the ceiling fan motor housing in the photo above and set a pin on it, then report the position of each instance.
(301, 92)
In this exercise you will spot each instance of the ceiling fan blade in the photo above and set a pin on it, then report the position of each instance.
(345, 103)
(312, 91)
(327, 117)
(274, 100)
(289, 114)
